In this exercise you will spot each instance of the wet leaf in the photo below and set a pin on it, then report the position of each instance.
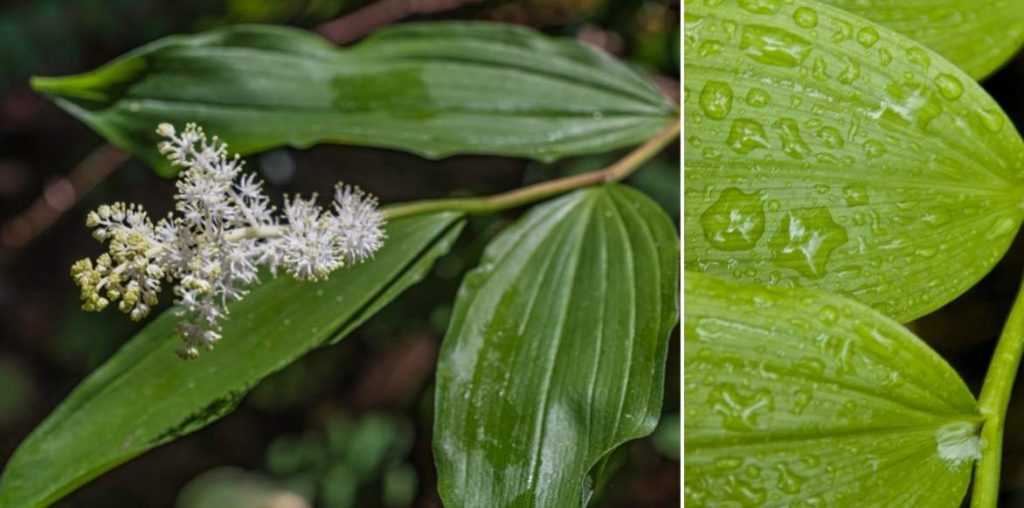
(556, 351)
(977, 35)
(145, 396)
(795, 397)
(434, 89)
(818, 157)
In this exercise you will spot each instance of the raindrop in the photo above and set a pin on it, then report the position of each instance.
(919, 57)
(830, 136)
(746, 135)
(788, 482)
(774, 46)
(843, 31)
(856, 194)
(716, 99)
(873, 149)
(885, 56)
(792, 144)
(760, 6)
(739, 408)
(991, 119)
(757, 98)
(735, 221)
(850, 72)
(819, 69)
(867, 36)
(805, 240)
(709, 48)
(949, 86)
(908, 103)
(805, 17)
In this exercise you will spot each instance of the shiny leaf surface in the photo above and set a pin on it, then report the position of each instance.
(434, 89)
(556, 351)
(795, 397)
(824, 150)
(977, 35)
(145, 395)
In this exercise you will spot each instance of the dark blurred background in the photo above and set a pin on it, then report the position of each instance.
(349, 425)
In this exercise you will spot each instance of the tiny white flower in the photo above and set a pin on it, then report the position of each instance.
(224, 230)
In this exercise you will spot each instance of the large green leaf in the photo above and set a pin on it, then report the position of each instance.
(865, 165)
(556, 350)
(795, 397)
(145, 396)
(435, 89)
(977, 35)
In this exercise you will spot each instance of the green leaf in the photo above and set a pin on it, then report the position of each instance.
(556, 350)
(145, 396)
(977, 35)
(795, 397)
(434, 89)
(867, 166)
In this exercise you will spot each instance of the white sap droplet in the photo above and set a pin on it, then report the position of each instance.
(957, 443)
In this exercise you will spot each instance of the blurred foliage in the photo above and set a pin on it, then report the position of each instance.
(346, 424)
(352, 462)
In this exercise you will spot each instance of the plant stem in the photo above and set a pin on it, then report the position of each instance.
(994, 399)
(519, 197)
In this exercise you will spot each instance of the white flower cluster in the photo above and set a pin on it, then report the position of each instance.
(223, 230)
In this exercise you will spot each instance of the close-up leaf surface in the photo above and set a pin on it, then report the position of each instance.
(977, 35)
(556, 351)
(796, 397)
(827, 151)
(145, 395)
(434, 89)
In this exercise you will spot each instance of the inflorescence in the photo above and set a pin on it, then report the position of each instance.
(223, 231)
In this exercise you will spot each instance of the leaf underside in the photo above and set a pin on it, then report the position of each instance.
(795, 397)
(824, 150)
(979, 36)
(145, 396)
(556, 350)
(434, 89)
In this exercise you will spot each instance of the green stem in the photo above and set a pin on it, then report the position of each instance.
(512, 199)
(526, 195)
(994, 399)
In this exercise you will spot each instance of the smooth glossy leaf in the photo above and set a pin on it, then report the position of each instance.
(434, 89)
(556, 350)
(977, 35)
(795, 397)
(867, 166)
(145, 396)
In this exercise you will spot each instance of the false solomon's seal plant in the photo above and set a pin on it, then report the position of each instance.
(841, 179)
(555, 354)
(224, 230)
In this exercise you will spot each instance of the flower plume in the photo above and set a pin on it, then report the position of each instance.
(222, 230)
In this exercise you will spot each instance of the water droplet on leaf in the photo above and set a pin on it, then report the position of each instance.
(716, 99)
(746, 135)
(805, 240)
(735, 221)
(774, 46)
(805, 17)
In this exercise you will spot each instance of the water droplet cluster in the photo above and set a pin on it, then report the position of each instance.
(824, 151)
(803, 399)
